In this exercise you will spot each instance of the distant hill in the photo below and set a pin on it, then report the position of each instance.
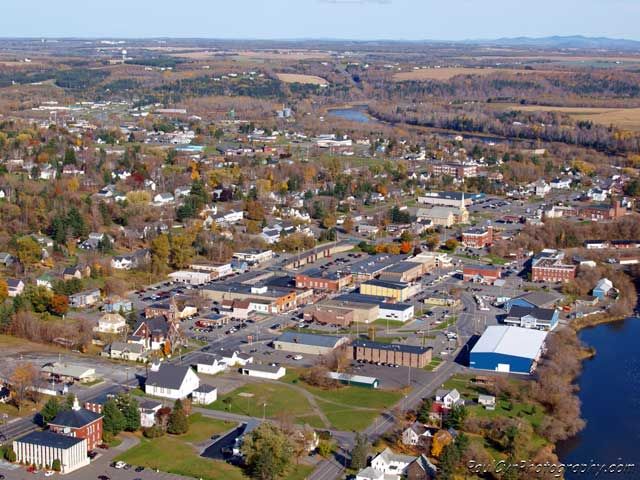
(574, 41)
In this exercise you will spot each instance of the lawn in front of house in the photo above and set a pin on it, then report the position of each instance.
(269, 399)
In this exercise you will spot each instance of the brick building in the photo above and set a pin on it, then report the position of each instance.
(481, 274)
(395, 354)
(456, 170)
(550, 266)
(322, 280)
(79, 423)
(478, 237)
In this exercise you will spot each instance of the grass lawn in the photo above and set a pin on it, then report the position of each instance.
(494, 259)
(433, 364)
(91, 383)
(446, 324)
(357, 396)
(249, 400)
(391, 323)
(176, 454)
(347, 419)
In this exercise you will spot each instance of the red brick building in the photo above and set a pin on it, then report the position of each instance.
(481, 274)
(550, 266)
(395, 354)
(478, 237)
(80, 423)
(456, 170)
(602, 212)
(322, 280)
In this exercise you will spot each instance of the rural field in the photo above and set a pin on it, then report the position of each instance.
(300, 78)
(625, 118)
(450, 72)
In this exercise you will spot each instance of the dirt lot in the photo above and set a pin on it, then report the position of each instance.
(299, 78)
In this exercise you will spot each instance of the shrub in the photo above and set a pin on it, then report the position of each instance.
(153, 432)
(55, 466)
(9, 454)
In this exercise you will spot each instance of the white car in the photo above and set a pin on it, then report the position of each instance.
(120, 465)
(48, 473)
(297, 357)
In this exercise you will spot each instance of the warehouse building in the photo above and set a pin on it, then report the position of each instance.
(354, 380)
(404, 272)
(399, 291)
(308, 343)
(372, 266)
(401, 312)
(508, 349)
(270, 372)
(42, 448)
(319, 279)
(481, 274)
(329, 315)
(395, 354)
(363, 312)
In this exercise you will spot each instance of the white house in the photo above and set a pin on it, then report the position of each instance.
(111, 323)
(148, 411)
(231, 216)
(171, 381)
(487, 401)
(210, 364)
(216, 270)
(390, 463)
(205, 395)
(560, 183)
(414, 433)
(541, 188)
(131, 352)
(122, 262)
(253, 257)
(16, 287)
(163, 199)
(271, 372)
(449, 398)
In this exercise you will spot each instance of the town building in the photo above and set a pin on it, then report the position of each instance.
(398, 291)
(153, 333)
(508, 349)
(171, 381)
(80, 423)
(602, 288)
(308, 343)
(270, 372)
(478, 237)
(395, 354)
(372, 266)
(458, 171)
(205, 395)
(84, 299)
(550, 266)
(535, 299)
(449, 199)
(148, 412)
(486, 274)
(130, 352)
(322, 280)
(527, 317)
(190, 277)
(406, 271)
(354, 380)
(254, 257)
(43, 448)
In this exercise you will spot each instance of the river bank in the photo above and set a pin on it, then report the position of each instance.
(612, 373)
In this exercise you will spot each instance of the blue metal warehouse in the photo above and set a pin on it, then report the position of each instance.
(508, 349)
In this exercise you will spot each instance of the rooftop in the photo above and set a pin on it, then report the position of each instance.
(514, 341)
(310, 339)
(392, 346)
(50, 439)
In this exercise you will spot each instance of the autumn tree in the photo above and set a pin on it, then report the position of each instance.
(348, 225)
(23, 379)
(181, 250)
(4, 290)
(59, 304)
(267, 452)
(160, 250)
(29, 252)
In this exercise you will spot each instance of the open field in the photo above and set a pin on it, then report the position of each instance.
(626, 118)
(300, 78)
(450, 72)
(269, 399)
(283, 54)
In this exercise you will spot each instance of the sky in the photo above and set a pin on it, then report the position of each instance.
(320, 19)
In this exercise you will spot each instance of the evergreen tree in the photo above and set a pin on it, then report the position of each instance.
(129, 408)
(359, 452)
(50, 410)
(178, 423)
(113, 421)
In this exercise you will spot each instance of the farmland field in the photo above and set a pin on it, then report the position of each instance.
(450, 72)
(627, 118)
(300, 78)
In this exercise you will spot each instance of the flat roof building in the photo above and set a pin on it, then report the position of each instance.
(308, 343)
(42, 448)
(508, 349)
(392, 353)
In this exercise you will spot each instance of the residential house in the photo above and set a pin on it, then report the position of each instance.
(15, 287)
(391, 463)
(148, 412)
(448, 398)
(111, 323)
(6, 259)
(84, 299)
(205, 395)
(154, 332)
(45, 280)
(163, 199)
(527, 317)
(487, 401)
(416, 433)
(131, 352)
(171, 381)
(117, 305)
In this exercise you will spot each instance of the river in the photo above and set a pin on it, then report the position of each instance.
(610, 395)
(353, 114)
